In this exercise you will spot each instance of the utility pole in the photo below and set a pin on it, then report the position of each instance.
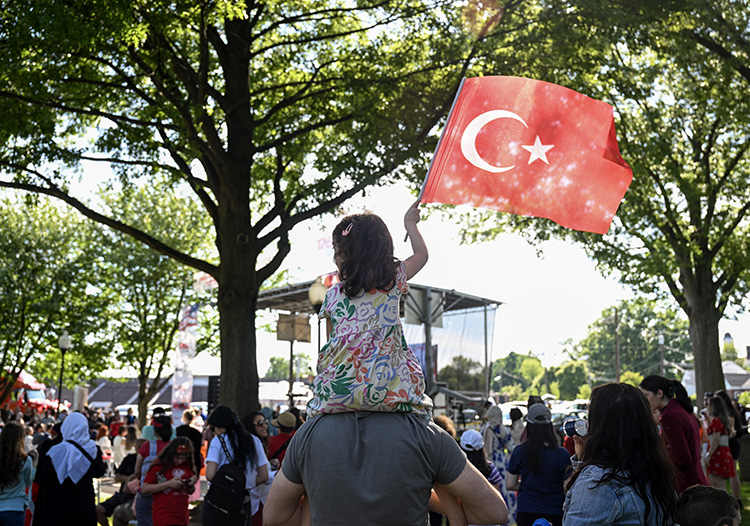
(661, 354)
(617, 347)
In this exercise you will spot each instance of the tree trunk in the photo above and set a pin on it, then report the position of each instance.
(704, 336)
(239, 372)
(238, 296)
(704, 319)
(143, 399)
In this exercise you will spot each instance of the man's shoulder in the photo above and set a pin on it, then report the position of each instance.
(374, 426)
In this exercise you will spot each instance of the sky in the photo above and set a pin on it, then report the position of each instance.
(545, 300)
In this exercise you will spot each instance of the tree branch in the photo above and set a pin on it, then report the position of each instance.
(53, 190)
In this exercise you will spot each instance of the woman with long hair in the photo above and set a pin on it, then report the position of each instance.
(131, 435)
(680, 428)
(720, 466)
(625, 474)
(733, 431)
(234, 445)
(16, 474)
(543, 466)
(256, 424)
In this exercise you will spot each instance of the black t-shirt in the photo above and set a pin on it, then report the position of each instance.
(126, 467)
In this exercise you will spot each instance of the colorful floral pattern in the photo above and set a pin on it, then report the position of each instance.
(366, 364)
(502, 445)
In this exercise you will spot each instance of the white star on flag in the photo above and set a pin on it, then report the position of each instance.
(538, 150)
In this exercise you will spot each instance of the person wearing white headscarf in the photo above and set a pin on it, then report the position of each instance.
(65, 477)
(498, 445)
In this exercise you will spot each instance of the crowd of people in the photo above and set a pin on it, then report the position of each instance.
(51, 480)
(646, 459)
(370, 450)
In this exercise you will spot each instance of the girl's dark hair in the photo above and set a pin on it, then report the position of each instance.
(445, 423)
(731, 411)
(131, 437)
(479, 460)
(163, 427)
(624, 441)
(515, 414)
(165, 459)
(534, 399)
(538, 438)
(670, 388)
(12, 453)
(366, 253)
(242, 444)
(718, 409)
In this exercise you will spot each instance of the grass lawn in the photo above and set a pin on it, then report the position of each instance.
(745, 492)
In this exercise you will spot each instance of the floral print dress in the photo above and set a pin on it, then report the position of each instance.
(366, 364)
(498, 447)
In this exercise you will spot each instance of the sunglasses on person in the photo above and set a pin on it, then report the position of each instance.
(261, 423)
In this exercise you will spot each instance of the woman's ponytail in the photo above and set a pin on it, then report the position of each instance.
(680, 394)
(670, 389)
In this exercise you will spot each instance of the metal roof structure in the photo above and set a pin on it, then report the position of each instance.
(294, 298)
(423, 304)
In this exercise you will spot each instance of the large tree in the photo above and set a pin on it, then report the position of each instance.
(272, 112)
(45, 275)
(677, 73)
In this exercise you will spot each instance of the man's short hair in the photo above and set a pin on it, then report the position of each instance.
(702, 505)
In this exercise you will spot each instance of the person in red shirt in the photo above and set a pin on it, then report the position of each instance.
(679, 428)
(171, 479)
(277, 444)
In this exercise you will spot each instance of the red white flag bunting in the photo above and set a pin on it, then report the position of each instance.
(530, 148)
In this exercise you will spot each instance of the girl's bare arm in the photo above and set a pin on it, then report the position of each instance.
(417, 260)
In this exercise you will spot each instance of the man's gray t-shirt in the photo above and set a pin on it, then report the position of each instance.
(371, 468)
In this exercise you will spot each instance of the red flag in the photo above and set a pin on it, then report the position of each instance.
(530, 148)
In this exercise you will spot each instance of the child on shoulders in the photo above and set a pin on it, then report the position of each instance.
(366, 364)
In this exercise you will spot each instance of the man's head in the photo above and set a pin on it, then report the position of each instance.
(703, 505)
(286, 422)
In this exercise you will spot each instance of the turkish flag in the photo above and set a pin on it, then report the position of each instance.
(531, 148)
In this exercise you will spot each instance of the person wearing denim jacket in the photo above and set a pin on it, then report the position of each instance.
(625, 475)
(613, 502)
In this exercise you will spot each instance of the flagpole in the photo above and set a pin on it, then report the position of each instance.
(437, 148)
(450, 114)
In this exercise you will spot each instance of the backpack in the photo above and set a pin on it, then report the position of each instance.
(227, 491)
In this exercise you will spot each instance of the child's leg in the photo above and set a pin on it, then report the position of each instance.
(446, 504)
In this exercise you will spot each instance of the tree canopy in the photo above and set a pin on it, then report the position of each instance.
(643, 332)
(45, 275)
(677, 75)
(271, 112)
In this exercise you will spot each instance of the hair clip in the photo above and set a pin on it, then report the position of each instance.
(348, 229)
